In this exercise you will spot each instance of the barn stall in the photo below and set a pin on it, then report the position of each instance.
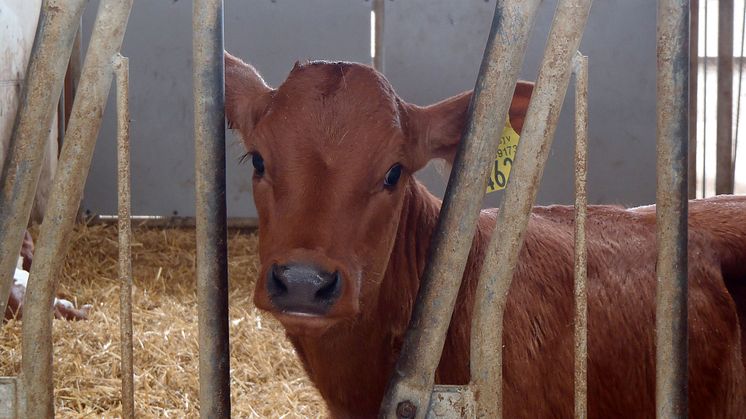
(163, 259)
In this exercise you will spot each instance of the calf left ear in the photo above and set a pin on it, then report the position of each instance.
(246, 94)
(437, 128)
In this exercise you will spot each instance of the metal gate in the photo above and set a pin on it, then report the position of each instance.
(411, 392)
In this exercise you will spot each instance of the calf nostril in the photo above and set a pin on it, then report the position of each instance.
(275, 282)
(331, 289)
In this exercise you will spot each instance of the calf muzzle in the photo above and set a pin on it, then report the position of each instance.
(303, 289)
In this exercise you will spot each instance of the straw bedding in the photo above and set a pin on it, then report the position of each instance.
(266, 377)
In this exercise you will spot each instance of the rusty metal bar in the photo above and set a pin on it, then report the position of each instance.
(44, 79)
(497, 272)
(580, 68)
(672, 209)
(379, 11)
(75, 160)
(693, 82)
(724, 150)
(412, 382)
(121, 70)
(212, 270)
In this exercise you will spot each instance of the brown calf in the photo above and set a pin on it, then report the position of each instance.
(345, 229)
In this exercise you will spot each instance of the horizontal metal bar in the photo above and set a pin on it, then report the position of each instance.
(672, 209)
(75, 160)
(497, 272)
(41, 91)
(412, 381)
(211, 230)
(157, 221)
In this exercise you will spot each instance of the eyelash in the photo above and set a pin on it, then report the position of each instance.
(245, 157)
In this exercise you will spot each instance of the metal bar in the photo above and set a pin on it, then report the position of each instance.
(168, 221)
(121, 69)
(75, 160)
(724, 166)
(212, 270)
(380, 14)
(44, 79)
(672, 209)
(704, 111)
(693, 81)
(581, 260)
(738, 97)
(497, 272)
(412, 382)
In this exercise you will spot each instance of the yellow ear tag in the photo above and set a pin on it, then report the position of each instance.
(503, 159)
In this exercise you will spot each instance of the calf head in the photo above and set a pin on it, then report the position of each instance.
(334, 150)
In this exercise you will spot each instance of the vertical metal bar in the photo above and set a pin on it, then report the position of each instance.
(704, 109)
(44, 79)
(497, 272)
(379, 11)
(75, 160)
(581, 261)
(672, 209)
(212, 271)
(121, 69)
(738, 95)
(411, 385)
(724, 167)
(693, 81)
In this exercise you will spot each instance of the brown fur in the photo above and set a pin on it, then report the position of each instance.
(330, 133)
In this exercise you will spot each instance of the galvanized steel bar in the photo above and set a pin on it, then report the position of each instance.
(44, 80)
(212, 271)
(693, 83)
(412, 382)
(580, 66)
(672, 209)
(75, 160)
(497, 272)
(724, 149)
(379, 11)
(121, 69)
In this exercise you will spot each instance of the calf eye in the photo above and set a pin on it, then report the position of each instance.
(392, 176)
(258, 162)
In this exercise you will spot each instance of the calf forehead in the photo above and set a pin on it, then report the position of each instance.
(334, 105)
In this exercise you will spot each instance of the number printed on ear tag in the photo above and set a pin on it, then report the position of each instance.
(503, 159)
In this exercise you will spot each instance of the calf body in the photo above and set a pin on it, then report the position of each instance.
(340, 213)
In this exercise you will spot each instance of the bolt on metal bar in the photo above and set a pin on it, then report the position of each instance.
(724, 149)
(44, 79)
(75, 160)
(121, 70)
(412, 381)
(580, 68)
(531, 156)
(379, 11)
(212, 270)
(672, 209)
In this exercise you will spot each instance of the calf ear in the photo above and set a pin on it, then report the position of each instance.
(437, 128)
(246, 95)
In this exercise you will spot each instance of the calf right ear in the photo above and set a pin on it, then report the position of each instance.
(246, 95)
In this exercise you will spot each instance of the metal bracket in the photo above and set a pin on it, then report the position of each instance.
(8, 397)
(451, 402)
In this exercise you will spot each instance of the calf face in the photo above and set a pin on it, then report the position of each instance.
(333, 151)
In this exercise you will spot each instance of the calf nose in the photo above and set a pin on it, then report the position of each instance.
(297, 288)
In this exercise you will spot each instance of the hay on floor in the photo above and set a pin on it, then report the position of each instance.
(266, 378)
